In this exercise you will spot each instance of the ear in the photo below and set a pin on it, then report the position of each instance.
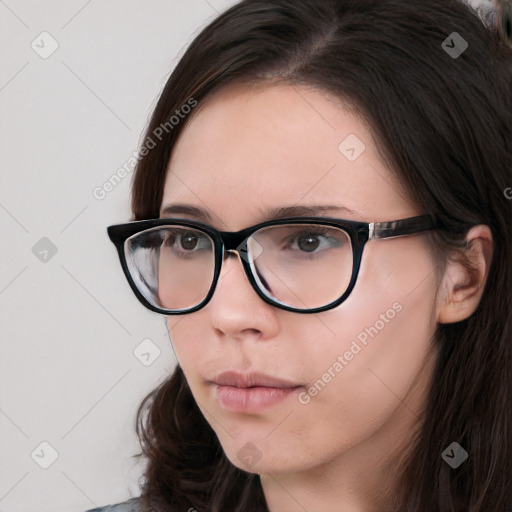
(465, 276)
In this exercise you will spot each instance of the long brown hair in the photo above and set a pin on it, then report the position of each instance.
(443, 123)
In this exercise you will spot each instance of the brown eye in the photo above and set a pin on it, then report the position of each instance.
(188, 241)
(308, 243)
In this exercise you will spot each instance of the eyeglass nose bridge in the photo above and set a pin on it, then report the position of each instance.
(240, 250)
(233, 251)
(235, 243)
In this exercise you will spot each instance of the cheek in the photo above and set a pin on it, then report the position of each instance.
(355, 388)
(364, 356)
(391, 312)
(185, 332)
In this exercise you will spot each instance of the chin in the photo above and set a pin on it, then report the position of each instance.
(264, 460)
(263, 467)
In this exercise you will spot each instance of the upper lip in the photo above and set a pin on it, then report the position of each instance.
(249, 380)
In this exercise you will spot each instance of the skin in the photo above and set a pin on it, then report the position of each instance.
(250, 149)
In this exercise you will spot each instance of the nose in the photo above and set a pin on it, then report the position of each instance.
(236, 310)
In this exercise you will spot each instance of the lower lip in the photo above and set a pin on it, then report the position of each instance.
(251, 399)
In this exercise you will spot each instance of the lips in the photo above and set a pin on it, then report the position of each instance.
(252, 392)
(251, 380)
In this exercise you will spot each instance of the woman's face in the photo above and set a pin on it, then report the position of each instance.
(355, 375)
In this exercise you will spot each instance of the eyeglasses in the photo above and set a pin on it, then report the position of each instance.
(300, 264)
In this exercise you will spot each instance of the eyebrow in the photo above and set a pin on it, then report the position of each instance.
(274, 213)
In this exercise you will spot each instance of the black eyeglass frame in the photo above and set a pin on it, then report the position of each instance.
(360, 234)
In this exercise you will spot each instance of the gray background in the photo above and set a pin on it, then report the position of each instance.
(78, 352)
(70, 325)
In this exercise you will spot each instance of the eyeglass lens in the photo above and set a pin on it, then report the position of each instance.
(304, 266)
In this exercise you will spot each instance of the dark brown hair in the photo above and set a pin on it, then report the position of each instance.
(444, 126)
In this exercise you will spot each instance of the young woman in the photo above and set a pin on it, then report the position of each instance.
(322, 210)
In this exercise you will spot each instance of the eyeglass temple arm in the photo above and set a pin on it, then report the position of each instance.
(400, 227)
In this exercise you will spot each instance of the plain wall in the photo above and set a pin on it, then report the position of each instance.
(69, 321)
(78, 80)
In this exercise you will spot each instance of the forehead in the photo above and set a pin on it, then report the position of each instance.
(249, 150)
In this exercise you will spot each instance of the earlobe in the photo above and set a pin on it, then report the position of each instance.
(465, 277)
